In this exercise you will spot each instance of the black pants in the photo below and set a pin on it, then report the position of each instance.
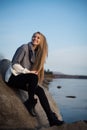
(29, 83)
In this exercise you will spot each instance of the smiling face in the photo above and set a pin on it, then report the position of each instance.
(36, 39)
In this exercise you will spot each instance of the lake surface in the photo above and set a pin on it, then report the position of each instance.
(72, 109)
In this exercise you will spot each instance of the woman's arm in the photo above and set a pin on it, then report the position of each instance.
(19, 55)
(18, 69)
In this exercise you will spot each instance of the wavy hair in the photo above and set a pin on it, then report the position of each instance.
(41, 54)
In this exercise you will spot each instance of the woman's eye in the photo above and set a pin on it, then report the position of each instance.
(36, 37)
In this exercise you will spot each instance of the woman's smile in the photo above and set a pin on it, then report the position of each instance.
(36, 39)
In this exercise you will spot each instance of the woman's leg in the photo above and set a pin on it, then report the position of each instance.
(26, 82)
(53, 120)
(43, 99)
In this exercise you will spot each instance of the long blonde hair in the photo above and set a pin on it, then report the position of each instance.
(41, 54)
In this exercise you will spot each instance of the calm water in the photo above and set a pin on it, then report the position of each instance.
(72, 109)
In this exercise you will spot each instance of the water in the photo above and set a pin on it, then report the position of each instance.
(72, 109)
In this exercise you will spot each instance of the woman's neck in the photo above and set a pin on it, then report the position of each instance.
(34, 46)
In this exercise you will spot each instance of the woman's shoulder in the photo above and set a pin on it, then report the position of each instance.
(23, 46)
(26, 45)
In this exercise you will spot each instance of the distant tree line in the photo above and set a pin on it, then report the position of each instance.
(48, 72)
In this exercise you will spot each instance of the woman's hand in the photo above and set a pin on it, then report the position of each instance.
(34, 72)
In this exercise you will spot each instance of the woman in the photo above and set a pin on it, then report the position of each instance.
(27, 72)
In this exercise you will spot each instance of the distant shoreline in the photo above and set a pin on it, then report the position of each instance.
(49, 76)
(52, 75)
(69, 76)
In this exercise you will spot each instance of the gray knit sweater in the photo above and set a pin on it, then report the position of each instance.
(22, 61)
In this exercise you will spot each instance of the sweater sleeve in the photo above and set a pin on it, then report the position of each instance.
(18, 56)
(17, 69)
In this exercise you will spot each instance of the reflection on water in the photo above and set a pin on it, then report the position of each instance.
(72, 109)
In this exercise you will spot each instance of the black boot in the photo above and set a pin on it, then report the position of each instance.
(53, 120)
(30, 105)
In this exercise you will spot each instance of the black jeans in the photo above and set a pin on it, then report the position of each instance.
(29, 82)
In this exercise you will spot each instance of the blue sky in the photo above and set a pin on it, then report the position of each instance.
(63, 22)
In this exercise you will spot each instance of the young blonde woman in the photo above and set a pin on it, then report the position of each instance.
(27, 72)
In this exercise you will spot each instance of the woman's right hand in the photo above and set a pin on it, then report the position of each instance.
(34, 72)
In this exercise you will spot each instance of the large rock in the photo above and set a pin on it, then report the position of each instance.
(13, 113)
(80, 125)
(4, 64)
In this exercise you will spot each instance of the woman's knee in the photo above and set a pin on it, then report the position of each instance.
(39, 91)
(35, 78)
(32, 78)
